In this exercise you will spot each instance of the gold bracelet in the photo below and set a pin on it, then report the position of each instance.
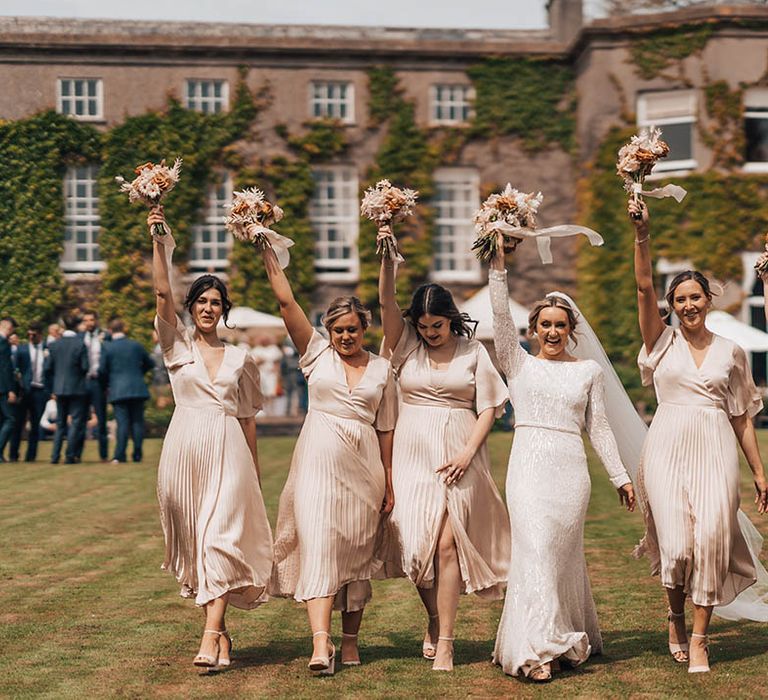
(642, 240)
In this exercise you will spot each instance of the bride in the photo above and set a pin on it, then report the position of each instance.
(549, 614)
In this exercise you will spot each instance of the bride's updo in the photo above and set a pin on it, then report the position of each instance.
(549, 302)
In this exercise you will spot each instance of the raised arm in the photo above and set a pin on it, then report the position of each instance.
(651, 325)
(161, 273)
(508, 351)
(604, 442)
(296, 321)
(391, 315)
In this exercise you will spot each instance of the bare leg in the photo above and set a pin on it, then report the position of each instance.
(448, 582)
(677, 631)
(429, 599)
(319, 612)
(701, 617)
(214, 644)
(350, 626)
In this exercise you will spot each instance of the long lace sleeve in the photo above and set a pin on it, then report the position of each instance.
(600, 434)
(508, 351)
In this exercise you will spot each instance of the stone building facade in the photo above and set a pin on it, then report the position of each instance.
(104, 71)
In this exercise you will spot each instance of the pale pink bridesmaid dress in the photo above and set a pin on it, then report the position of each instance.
(217, 536)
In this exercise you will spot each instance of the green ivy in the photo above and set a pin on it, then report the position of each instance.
(727, 139)
(406, 159)
(384, 94)
(533, 99)
(657, 51)
(722, 215)
(201, 140)
(289, 181)
(34, 155)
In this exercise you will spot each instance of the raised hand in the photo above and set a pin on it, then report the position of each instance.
(156, 217)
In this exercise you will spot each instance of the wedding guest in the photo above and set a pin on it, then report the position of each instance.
(54, 333)
(218, 542)
(94, 339)
(340, 479)
(549, 615)
(291, 378)
(48, 420)
(68, 368)
(690, 466)
(35, 391)
(123, 364)
(267, 355)
(7, 384)
(449, 516)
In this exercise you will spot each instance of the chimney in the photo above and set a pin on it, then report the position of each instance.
(565, 19)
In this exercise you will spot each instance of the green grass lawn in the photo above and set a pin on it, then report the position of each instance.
(87, 613)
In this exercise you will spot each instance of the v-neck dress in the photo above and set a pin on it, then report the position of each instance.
(329, 514)
(217, 536)
(438, 412)
(689, 472)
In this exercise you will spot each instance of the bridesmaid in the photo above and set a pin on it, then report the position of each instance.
(689, 471)
(340, 481)
(218, 542)
(451, 522)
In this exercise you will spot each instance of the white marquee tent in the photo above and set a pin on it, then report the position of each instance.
(479, 309)
(749, 338)
(244, 318)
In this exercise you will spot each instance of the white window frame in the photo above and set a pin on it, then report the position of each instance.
(86, 219)
(463, 104)
(329, 106)
(756, 98)
(212, 221)
(470, 178)
(99, 97)
(646, 118)
(345, 218)
(197, 102)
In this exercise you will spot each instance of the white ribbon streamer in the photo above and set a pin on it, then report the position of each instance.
(544, 236)
(278, 243)
(675, 191)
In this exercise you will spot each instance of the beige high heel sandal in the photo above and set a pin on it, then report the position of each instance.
(678, 650)
(324, 665)
(449, 666)
(541, 674)
(208, 660)
(428, 649)
(226, 662)
(701, 668)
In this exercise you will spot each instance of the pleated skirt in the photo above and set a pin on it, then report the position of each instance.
(689, 476)
(217, 536)
(425, 438)
(549, 611)
(329, 514)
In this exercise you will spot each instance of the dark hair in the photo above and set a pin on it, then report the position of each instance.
(71, 321)
(201, 285)
(9, 319)
(95, 314)
(35, 327)
(117, 325)
(341, 306)
(694, 275)
(436, 300)
(553, 301)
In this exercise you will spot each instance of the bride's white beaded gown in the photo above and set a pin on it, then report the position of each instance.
(549, 611)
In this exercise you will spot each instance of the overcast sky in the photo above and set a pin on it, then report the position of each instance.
(506, 14)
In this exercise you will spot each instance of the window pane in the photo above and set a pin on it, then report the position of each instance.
(66, 87)
(678, 137)
(756, 131)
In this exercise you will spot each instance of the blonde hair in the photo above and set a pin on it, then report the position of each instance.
(558, 303)
(341, 306)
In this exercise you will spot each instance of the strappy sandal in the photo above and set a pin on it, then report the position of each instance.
(678, 650)
(324, 665)
(701, 668)
(208, 660)
(226, 661)
(428, 649)
(449, 665)
(541, 674)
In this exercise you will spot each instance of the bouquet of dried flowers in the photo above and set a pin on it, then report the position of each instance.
(762, 262)
(507, 212)
(384, 204)
(636, 161)
(250, 217)
(151, 184)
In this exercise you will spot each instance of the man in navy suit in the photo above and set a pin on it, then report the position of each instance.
(94, 339)
(7, 384)
(68, 367)
(35, 391)
(124, 363)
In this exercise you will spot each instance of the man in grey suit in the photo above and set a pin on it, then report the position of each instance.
(7, 384)
(124, 363)
(68, 366)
